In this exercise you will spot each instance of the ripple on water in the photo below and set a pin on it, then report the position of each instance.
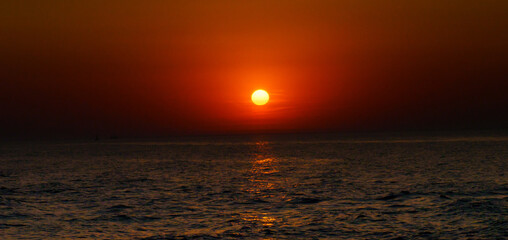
(255, 190)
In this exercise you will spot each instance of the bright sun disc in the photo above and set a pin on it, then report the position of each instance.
(260, 97)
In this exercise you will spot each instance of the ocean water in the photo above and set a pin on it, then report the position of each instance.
(256, 188)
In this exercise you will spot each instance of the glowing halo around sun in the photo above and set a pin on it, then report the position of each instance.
(260, 97)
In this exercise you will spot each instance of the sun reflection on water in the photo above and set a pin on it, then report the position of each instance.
(266, 221)
(263, 175)
(265, 186)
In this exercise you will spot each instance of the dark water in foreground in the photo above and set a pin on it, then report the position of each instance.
(255, 189)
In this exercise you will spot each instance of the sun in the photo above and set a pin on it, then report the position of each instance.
(260, 97)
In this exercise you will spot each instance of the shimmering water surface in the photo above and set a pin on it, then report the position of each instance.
(256, 188)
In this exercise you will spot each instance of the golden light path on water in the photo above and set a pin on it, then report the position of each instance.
(263, 183)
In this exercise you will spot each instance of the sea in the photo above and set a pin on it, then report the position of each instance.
(306, 186)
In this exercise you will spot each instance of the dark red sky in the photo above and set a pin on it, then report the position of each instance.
(155, 68)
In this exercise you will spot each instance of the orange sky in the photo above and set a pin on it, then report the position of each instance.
(155, 68)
